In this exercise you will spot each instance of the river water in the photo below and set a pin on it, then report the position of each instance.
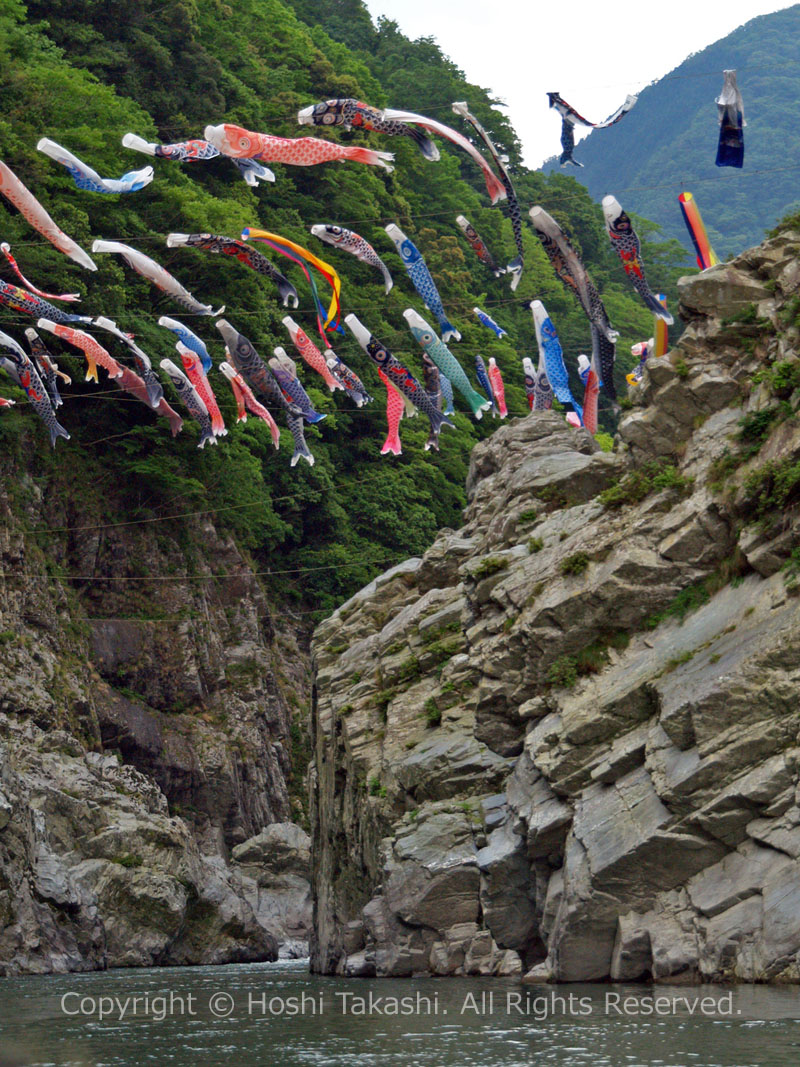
(278, 1014)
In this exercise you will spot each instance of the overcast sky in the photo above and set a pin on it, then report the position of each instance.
(522, 50)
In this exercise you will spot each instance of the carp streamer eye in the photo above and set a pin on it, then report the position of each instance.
(244, 143)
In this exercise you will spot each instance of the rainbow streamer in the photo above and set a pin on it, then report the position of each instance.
(297, 254)
(661, 330)
(706, 256)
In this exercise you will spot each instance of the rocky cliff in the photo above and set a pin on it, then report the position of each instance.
(564, 742)
(149, 703)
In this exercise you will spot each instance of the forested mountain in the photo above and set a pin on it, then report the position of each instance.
(84, 74)
(668, 142)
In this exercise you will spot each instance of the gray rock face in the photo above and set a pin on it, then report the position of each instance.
(278, 860)
(135, 756)
(565, 741)
(95, 872)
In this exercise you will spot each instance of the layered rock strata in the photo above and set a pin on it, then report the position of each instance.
(145, 748)
(564, 742)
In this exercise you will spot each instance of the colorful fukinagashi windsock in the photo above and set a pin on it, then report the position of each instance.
(514, 268)
(484, 383)
(397, 373)
(27, 204)
(285, 371)
(550, 349)
(18, 299)
(155, 390)
(197, 150)
(93, 351)
(46, 366)
(191, 401)
(661, 338)
(591, 393)
(250, 365)
(353, 385)
(240, 143)
(155, 273)
(446, 362)
(354, 114)
(498, 387)
(422, 280)
(310, 353)
(394, 413)
(625, 243)
(246, 402)
(432, 379)
(20, 369)
(193, 369)
(88, 179)
(730, 150)
(5, 248)
(130, 382)
(305, 259)
(489, 323)
(191, 340)
(706, 256)
(242, 252)
(479, 246)
(572, 274)
(570, 118)
(356, 246)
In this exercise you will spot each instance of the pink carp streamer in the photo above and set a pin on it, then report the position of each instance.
(310, 353)
(5, 248)
(590, 398)
(395, 406)
(246, 401)
(197, 376)
(27, 204)
(498, 387)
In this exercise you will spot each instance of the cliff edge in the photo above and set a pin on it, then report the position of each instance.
(147, 731)
(564, 742)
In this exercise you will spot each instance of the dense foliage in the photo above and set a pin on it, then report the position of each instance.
(668, 142)
(84, 73)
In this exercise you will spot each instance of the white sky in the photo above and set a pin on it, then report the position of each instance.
(522, 49)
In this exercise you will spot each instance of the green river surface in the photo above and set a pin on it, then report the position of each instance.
(254, 1014)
